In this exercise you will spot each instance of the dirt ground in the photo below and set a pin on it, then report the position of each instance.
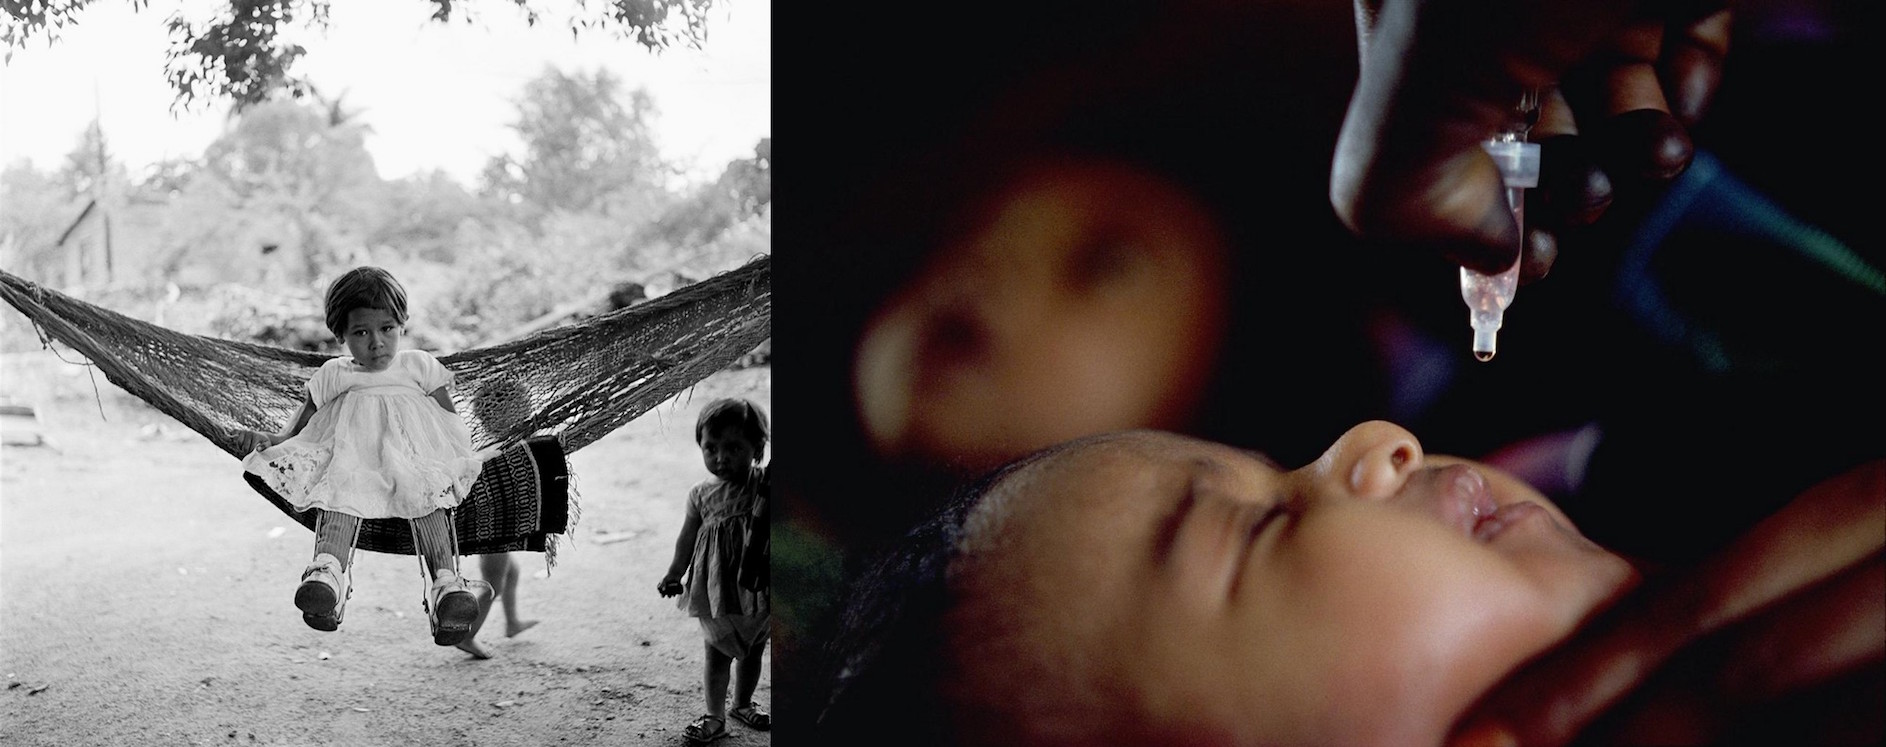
(146, 597)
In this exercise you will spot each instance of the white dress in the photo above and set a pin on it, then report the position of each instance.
(378, 445)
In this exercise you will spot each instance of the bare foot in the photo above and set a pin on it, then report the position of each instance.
(470, 646)
(512, 630)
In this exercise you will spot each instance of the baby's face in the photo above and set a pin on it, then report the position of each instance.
(1190, 587)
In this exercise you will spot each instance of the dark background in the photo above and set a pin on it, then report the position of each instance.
(890, 117)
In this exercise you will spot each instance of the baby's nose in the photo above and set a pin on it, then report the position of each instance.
(1373, 459)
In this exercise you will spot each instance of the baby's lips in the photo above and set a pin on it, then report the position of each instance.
(1508, 515)
(1462, 498)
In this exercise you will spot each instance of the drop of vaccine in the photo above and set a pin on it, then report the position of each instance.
(1483, 356)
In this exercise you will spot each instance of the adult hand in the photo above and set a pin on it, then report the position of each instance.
(1798, 602)
(1621, 81)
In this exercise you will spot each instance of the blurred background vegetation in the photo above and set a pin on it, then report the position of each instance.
(241, 241)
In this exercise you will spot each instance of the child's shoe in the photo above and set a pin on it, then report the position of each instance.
(323, 593)
(751, 715)
(700, 733)
(451, 607)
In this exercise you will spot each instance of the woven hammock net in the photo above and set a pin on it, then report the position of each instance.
(574, 384)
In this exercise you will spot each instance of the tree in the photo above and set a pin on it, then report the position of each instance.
(238, 52)
(424, 214)
(587, 147)
(90, 171)
(290, 165)
(165, 180)
(34, 209)
(743, 191)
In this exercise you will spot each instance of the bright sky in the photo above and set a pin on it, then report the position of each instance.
(437, 96)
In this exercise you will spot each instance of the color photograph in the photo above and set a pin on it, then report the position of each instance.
(1411, 372)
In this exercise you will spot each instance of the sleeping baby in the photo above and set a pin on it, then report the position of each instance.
(1149, 588)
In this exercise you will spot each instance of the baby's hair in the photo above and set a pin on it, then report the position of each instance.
(364, 288)
(882, 669)
(748, 416)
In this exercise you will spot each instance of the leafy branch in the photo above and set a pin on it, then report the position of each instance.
(240, 53)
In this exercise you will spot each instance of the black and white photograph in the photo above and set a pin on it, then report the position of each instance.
(385, 373)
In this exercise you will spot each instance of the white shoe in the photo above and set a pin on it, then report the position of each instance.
(323, 593)
(450, 607)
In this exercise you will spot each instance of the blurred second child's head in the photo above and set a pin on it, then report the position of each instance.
(732, 434)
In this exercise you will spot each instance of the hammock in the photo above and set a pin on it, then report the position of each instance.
(536, 398)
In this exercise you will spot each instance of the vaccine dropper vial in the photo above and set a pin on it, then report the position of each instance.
(1487, 296)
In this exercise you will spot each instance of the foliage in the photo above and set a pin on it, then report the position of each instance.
(290, 149)
(743, 190)
(290, 166)
(238, 52)
(34, 209)
(90, 170)
(164, 180)
(244, 238)
(269, 318)
(203, 229)
(496, 283)
(423, 215)
(586, 146)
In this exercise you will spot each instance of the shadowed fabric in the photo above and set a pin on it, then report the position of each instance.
(537, 398)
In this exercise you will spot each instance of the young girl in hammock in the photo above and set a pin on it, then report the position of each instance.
(735, 611)
(376, 437)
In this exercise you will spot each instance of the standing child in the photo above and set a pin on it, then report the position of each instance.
(376, 437)
(722, 511)
(501, 574)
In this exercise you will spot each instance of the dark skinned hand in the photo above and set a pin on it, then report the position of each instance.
(1783, 630)
(1620, 84)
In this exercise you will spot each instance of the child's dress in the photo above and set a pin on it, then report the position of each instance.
(733, 619)
(378, 445)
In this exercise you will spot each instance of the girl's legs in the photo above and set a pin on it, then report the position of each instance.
(716, 677)
(713, 725)
(747, 674)
(322, 595)
(436, 540)
(335, 534)
(449, 600)
(746, 679)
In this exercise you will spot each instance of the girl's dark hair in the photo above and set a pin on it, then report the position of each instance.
(884, 665)
(364, 288)
(743, 413)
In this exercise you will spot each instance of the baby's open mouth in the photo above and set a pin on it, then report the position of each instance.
(1488, 526)
(1464, 501)
(1468, 503)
